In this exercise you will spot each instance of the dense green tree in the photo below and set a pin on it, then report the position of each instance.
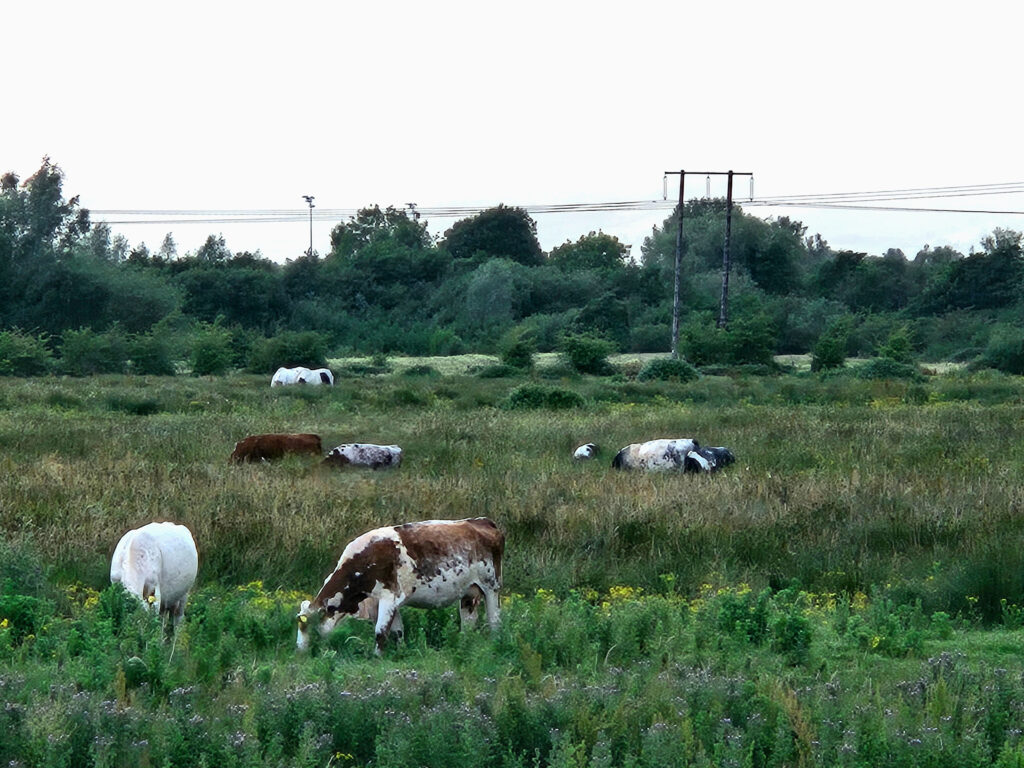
(373, 225)
(990, 279)
(500, 232)
(592, 251)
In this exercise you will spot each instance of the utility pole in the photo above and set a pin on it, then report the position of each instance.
(309, 199)
(679, 261)
(723, 305)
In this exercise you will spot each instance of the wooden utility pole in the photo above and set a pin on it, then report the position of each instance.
(679, 261)
(723, 305)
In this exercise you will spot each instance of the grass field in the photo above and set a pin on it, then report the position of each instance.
(861, 558)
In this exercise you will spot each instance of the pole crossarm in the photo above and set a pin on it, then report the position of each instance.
(711, 173)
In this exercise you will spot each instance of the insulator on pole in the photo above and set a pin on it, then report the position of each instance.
(751, 187)
(707, 186)
(664, 187)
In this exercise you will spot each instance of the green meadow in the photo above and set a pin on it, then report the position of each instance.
(850, 592)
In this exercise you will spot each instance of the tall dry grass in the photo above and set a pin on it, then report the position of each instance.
(854, 490)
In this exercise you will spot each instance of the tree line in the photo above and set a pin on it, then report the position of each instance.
(388, 286)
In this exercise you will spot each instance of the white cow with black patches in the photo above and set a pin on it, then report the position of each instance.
(682, 454)
(429, 564)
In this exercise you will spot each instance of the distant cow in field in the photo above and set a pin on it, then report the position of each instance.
(585, 451)
(318, 376)
(286, 376)
(428, 564)
(272, 447)
(364, 455)
(714, 459)
(158, 564)
(683, 454)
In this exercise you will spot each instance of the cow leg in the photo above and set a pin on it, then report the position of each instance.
(491, 598)
(468, 606)
(397, 628)
(386, 613)
(704, 463)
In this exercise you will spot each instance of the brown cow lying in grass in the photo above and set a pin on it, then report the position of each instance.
(272, 447)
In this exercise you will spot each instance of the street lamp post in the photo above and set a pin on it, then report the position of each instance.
(309, 199)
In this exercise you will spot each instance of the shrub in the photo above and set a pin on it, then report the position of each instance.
(151, 354)
(750, 340)
(668, 369)
(587, 354)
(650, 338)
(288, 349)
(897, 347)
(537, 396)
(211, 350)
(499, 371)
(887, 368)
(85, 352)
(1005, 350)
(22, 354)
(830, 351)
(517, 351)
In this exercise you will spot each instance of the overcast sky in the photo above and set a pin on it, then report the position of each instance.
(249, 106)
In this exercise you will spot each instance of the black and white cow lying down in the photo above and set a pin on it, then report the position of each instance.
(428, 564)
(682, 454)
(364, 455)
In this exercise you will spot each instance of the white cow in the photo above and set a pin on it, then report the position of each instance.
(364, 455)
(585, 451)
(319, 376)
(683, 454)
(285, 376)
(429, 564)
(158, 564)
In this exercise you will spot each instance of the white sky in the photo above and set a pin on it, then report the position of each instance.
(250, 105)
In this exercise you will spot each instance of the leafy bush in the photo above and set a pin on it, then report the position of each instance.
(830, 351)
(898, 347)
(537, 396)
(499, 371)
(212, 352)
(649, 338)
(887, 368)
(587, 354)
(1005, 350)
(517, 351)
(22, 354)
(288, 349)
(746, 340)
(85, 352)
(151, 354)
(668, 369)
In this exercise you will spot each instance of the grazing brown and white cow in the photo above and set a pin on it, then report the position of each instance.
(158, 564)
(683, 454)
(272, 447)
(364, 455)
(428, 564)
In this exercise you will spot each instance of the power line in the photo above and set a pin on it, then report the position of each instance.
(833, 200)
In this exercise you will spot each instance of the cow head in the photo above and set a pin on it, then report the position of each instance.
(324, 617)
(336, 458)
